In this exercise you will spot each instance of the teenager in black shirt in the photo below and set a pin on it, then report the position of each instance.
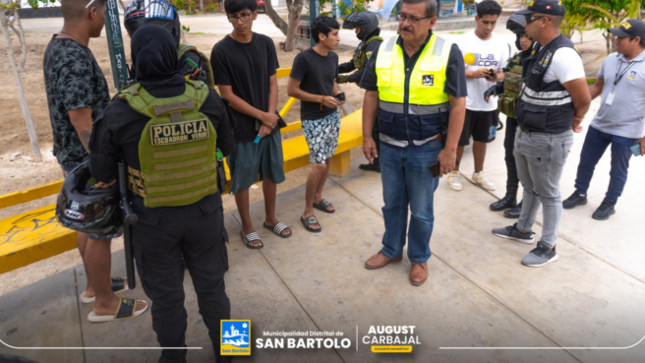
(245, 66)
(312, 81)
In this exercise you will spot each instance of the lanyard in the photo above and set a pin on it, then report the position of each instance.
(619, 77)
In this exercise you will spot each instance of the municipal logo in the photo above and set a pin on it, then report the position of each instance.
(547, 58)
(632, 75)
(235, 337)
(428, 80)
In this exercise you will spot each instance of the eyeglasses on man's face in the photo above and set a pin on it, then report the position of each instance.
(531, 18)
(411, 19)
(244, 18)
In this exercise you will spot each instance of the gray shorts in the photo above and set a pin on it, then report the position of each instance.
(250, 162)
(109, 235)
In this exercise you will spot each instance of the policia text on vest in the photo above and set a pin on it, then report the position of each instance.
(178, 133)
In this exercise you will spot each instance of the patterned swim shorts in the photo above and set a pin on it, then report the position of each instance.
(322, 137)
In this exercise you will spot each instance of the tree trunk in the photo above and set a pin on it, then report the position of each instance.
(607, 45)
(21, 90)
(21, 37)
(293, 19)
(201, 5)
(277, 20)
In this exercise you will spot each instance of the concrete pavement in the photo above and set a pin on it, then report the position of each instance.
(477, 294)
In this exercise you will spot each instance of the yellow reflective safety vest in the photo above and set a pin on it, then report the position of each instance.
(177, 149)
(420, 116)
(428, 77)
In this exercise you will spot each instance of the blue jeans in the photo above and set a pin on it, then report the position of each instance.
(596, 142)
(407, 182)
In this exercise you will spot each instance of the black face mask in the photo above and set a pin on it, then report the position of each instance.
(154, 57)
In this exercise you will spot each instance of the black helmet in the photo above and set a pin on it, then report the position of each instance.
(516, 24)
(88, 210)
(364, 19)
(142, 12)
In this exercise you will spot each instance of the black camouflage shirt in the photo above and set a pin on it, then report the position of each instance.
(73, 80)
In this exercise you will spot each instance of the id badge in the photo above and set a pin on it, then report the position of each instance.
(610, 98)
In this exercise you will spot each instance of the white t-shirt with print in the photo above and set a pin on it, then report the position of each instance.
(566, 65)
(491, 53)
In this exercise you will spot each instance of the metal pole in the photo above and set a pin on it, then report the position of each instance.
(334, 9)
(115, 45)
(314, 10)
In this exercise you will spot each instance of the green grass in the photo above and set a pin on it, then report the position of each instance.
(459, 32)
(199, 33)
(591, 80)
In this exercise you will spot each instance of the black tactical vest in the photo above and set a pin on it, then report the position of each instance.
(544, 107)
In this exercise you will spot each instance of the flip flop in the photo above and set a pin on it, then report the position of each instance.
(119, 284)
(323, 206)
(278, 229)
(253, 236)
(311, 220)
(126, 309)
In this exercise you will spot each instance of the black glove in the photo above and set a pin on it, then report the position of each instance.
(495, 90)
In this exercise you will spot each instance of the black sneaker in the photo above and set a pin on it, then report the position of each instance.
(511, 232)
(371, 167)
(540, 256)
(514, 213)
(603, 212)
(574, 200)
(509, 201)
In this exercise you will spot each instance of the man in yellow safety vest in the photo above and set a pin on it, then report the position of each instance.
(415, 84)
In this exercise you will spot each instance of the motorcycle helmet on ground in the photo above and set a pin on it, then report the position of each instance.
(368, 22)
(86, 209)
(143, 12)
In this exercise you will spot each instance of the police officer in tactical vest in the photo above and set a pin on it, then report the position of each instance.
(553, 100)
(193, 64)
(416, 85)
(167, 129)
(367, 31)
(508, 90)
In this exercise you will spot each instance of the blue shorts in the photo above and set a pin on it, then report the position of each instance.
(322, 137)
(109, 235)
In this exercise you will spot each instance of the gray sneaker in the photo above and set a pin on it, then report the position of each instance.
(540, 256)
(511, 232)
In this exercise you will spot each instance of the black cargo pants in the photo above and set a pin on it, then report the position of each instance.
(512, 180)
(160, 237)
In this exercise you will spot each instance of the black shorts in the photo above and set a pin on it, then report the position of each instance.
(481, 125)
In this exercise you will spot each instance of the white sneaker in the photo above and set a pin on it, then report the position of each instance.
(483, 181)
(454, 180)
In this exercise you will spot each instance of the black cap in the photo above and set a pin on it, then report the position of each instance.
(551, 7)
(629, 28)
